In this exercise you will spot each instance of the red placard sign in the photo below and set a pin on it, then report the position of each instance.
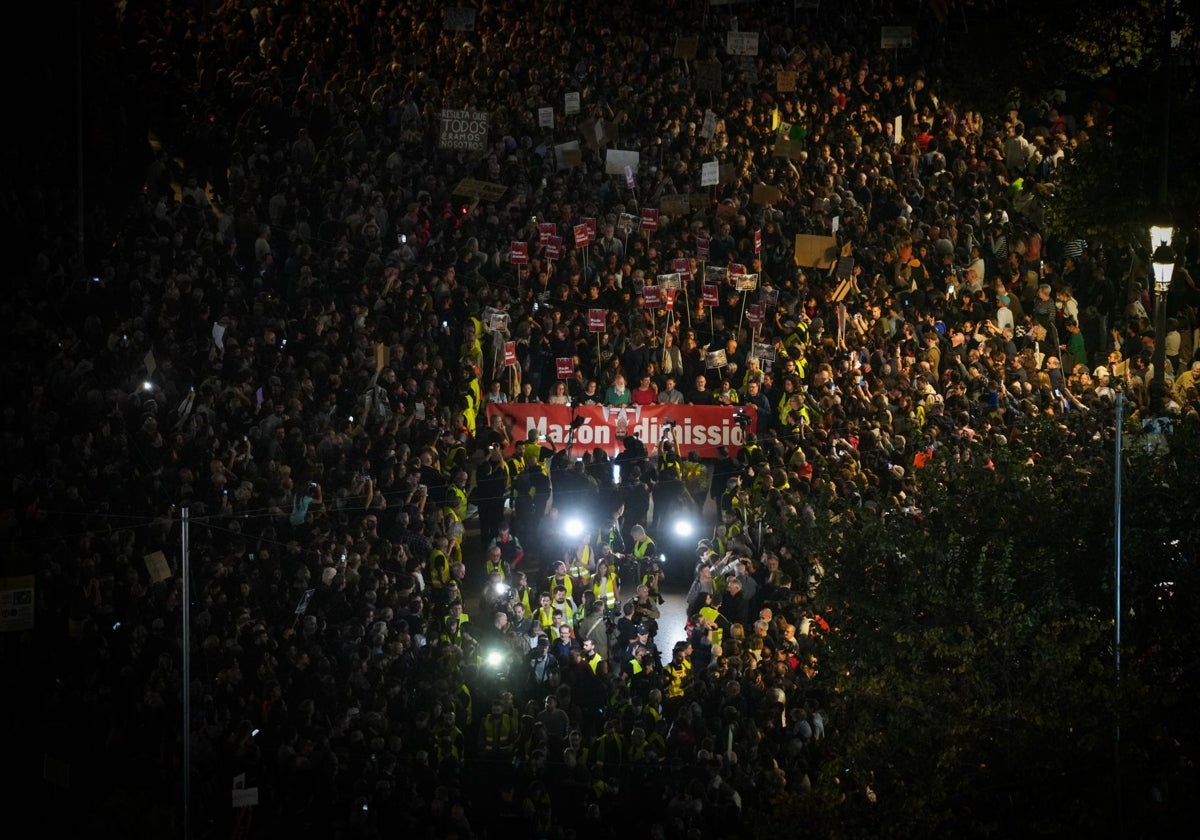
(681, 266)
(554, 248)
(565, 366)
(596, 318)
(737, 269)
(545, 231)
(590, 221)
(710, 294)
(670, 298)
(758, 241)
(510, 353)
(651, 297)
(581, 236)
(649, 218)
(702, 248)
(518, 253)
(755, 313)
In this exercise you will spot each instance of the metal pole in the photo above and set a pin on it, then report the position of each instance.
(187, 675)
(1117, 604)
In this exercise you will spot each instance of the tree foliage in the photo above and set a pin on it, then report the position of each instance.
(971, 656)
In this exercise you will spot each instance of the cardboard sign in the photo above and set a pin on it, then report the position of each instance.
(651, 297)
(554, 248)
(709, 127)
(545, 117)
(895, 37)
(590, 223)
(581, 237)
(457, 19)
(715, 359)
(710, 294)
(813, 251)
(674, 205)
(484, 191)
(785, 80)
(708, 76)
(758, 241)
(518, 253)
(617, 160)
(649, 218)
(565, 366)
(703, 248)
(685, 47)
(755, 314)
(546, 231)
(765, 194)
(157, 566)
(510, 353)
(596, 320)
(466, 130)
(571, 103)
(710, 173)
(568, 154)
(741, 43)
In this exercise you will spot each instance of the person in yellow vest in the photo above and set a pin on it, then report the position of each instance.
(439, 566)
(644, 549)
(497, 735)
(583, 562)
(696, 478)
(560, 601)
(457, 496)
(561, 577)
(590, 655)
(544, 614)
(606, 586)
(495, 564)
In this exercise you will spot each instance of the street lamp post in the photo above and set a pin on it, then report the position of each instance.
(1162, 258)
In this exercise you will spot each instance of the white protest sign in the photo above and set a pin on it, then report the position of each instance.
(741, 43)
(568, 154)
(571, 103)
(710, 173)
(709, 127)
(616, 160)
(898, 130)
(546, 117)
(218, 334)
(467, 130)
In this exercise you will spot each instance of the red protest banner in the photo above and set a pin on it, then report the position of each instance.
(596, 319)
(518, 253)
(702, 248)
(700, 427)
(649, 218)
(565, 366)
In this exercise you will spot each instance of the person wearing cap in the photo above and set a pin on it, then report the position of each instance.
(1004, 315)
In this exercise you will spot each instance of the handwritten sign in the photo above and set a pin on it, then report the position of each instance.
(741, 43)
(466, 130)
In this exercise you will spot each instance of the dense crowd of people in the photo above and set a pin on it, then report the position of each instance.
(300, 318)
